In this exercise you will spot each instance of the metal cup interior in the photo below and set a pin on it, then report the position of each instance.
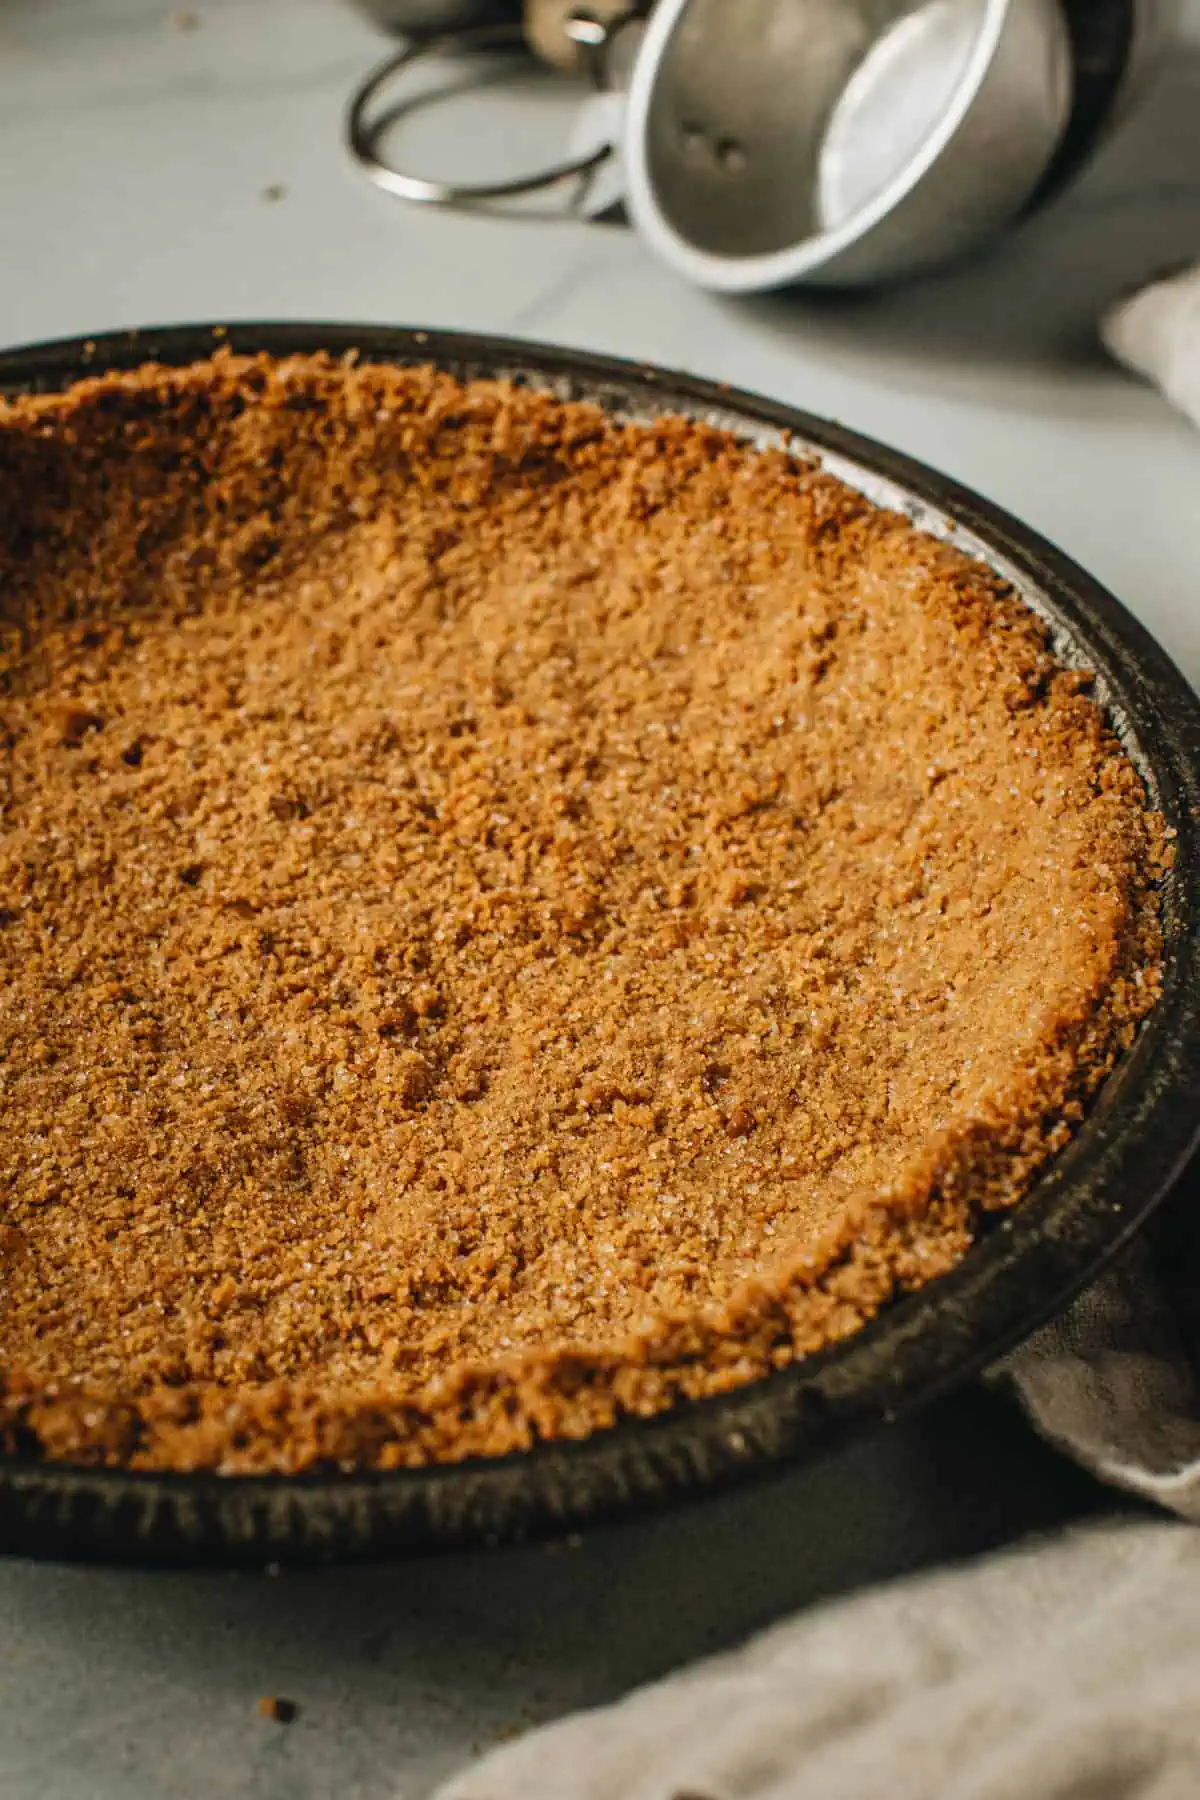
(850, 139)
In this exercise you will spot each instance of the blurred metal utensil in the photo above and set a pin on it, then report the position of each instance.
(365, 118)
(842, 141)
(765, 143)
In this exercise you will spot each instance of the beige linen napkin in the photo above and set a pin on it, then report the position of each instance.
(1115, 1382)
(1157, 333)
(1069, 1671)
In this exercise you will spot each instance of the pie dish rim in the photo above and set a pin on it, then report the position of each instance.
(1138, 1137)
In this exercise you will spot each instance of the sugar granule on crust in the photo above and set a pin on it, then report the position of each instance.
(507, 920)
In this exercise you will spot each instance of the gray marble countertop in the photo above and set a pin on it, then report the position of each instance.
(159, 167)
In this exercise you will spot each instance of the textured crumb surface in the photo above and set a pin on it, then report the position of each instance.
(506, 920)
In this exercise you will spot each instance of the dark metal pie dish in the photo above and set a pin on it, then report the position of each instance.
(1124, 1160)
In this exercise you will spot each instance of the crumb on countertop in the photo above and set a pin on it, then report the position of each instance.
(281, 1711)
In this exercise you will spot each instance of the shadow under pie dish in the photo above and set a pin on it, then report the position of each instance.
(516, 919)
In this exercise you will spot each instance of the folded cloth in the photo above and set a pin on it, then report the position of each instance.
(1068, 1671)
(1065, 1671)
(1115, 1381)
(1157, 333)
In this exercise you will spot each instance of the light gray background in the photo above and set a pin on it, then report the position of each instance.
(140, 169)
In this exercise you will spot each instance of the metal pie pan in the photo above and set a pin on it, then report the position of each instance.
(1128, 1155)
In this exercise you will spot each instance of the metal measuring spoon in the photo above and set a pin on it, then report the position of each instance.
(840, 141)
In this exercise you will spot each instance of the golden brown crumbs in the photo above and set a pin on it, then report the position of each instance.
(507, 919)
